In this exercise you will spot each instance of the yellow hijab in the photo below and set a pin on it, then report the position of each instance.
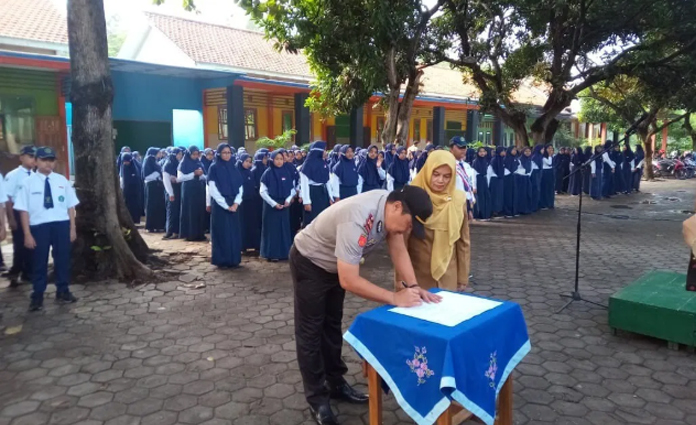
(448, 211)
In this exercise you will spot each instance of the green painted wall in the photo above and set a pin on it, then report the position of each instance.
(40, 85)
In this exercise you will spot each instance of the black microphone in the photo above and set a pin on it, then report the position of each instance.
(632, 129)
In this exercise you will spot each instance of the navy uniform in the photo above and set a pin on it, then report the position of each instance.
(21, 256)
(3, 199)
(48, 205)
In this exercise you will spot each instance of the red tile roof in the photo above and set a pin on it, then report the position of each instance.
(225, 46)
(37, 20)
(229, 47)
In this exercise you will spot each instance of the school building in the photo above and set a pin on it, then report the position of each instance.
(183, 82)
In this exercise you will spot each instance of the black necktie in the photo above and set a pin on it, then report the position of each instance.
(48, 196)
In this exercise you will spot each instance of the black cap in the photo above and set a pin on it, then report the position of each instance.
(45, 153)
(418, 203)
(458, 141)
(28, 150)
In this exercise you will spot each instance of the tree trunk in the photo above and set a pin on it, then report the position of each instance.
(108, 241)
(391, 117)
(690, 131)
(406, 107)
(517, 121)
(544, 126)
(644, 136)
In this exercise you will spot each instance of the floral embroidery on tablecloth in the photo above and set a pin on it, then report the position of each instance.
(492, 368)
(419, 365)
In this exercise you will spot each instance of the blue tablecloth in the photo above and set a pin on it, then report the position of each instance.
(426, 365)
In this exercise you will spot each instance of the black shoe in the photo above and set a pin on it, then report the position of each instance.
(9, 274)
(14, 283)
(323, 415)
(168, 236)
(347, 393)
(65, 297)
(36, 305)
(3, 268)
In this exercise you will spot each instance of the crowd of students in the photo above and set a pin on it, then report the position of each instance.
(257, 204)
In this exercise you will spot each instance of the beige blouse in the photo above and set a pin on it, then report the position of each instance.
(457, 273)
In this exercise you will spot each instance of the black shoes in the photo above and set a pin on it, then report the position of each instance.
(347, 393)
(65, 297)
(36, 305)
(323, 415)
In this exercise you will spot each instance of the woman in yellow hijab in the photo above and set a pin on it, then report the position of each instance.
(441, 259)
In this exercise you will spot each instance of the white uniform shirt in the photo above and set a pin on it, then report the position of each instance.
(14, 180)
(30, 198)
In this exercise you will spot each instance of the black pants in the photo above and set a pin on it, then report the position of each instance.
(318, 315)
(22, 257)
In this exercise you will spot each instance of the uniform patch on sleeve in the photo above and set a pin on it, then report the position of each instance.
(368, 224)
(362, 240)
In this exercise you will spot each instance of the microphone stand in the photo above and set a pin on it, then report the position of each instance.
(575, 295)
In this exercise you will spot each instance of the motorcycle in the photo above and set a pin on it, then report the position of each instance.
(669, 168)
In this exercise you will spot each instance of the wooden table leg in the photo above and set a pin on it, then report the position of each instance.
(445, 418)
(505, 404)
(374, 385)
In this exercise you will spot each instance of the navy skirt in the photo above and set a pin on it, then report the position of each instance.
(225, 237)
(523, 195)
(193, 214)
(509, 205)
(575, 181)
(398, 186)
(587, 181)
(133, 197)
(347, 191)
(173, 210)
(155, 209)
(483, 209)
(637, 176)
(320, 201)
(368, 187)
(547, 196)
(596, 185)
(296, 215)
(497, 195)
(607, 182)
(535, 180)
(250, 214)
(627, 174)
(618, 180)
(276, 238)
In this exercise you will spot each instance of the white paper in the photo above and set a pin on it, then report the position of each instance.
(451, 311)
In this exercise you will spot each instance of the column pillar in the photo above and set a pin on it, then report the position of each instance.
(235, 116)
(302, 118)
(356, 128)
(665, 132)
(438, 126)
(498, 132)
(603, 130)
(472, 123)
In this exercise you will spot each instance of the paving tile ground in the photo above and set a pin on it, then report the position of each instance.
(168, 353)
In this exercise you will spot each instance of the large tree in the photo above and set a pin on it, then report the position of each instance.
(355, 49)
(108, 243)
(564, 45)
(652, 103)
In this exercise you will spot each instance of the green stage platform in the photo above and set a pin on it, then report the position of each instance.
(656, 305)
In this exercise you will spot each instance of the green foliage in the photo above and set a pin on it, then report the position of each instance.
(503, 43)
(347, 44)
(278, 142)
(564, 137)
